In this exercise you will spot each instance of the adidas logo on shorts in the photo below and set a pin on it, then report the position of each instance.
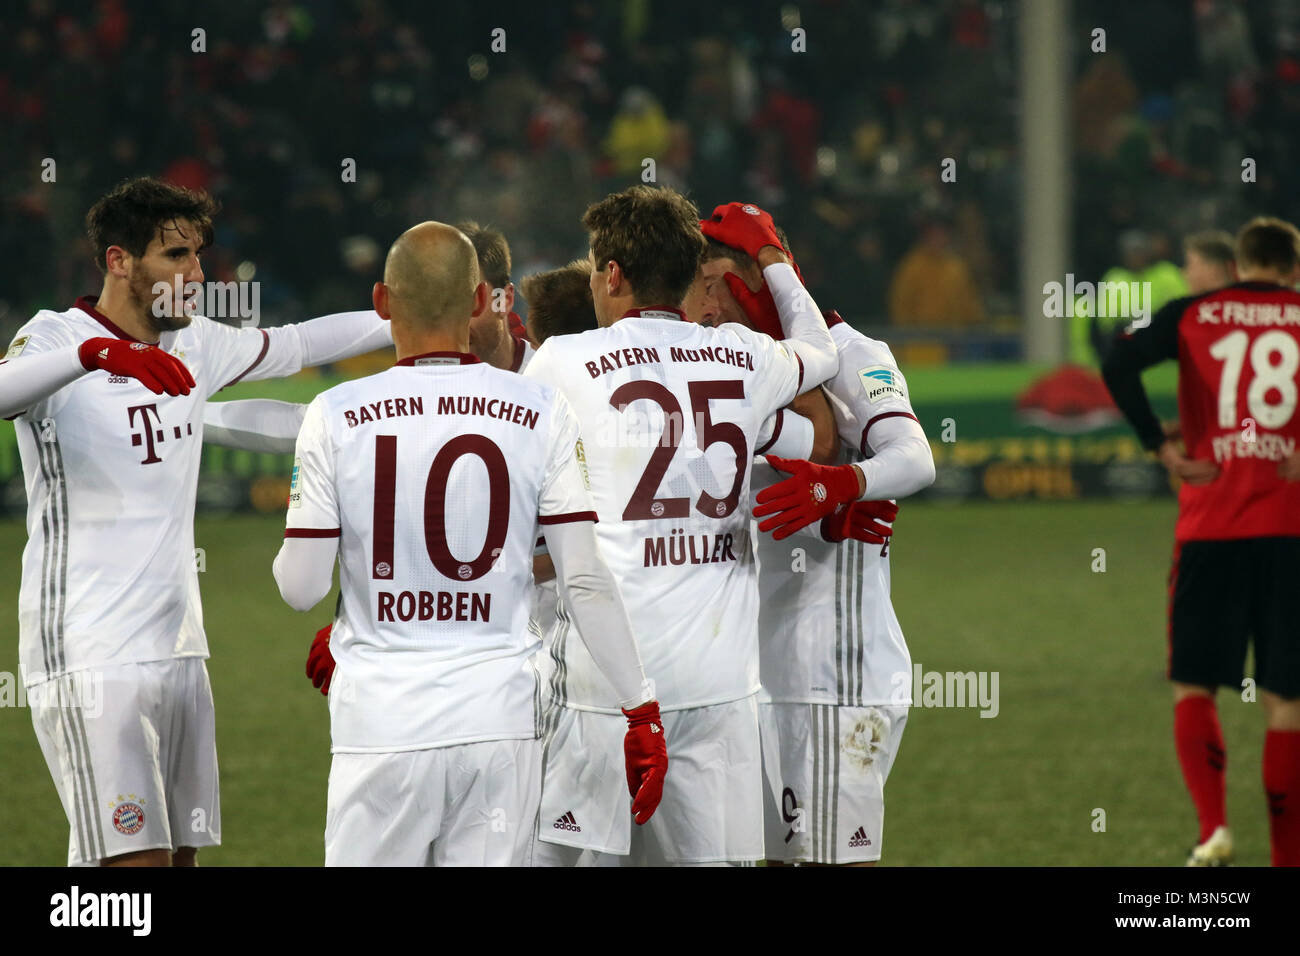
(567, 822)
(859, 838)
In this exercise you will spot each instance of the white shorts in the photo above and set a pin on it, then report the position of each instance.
(712, 807)
(826, 767)
(133, 753)
(467, 805)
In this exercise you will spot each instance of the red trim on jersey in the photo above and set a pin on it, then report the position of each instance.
(87, 304)
(519, 355)
(832, 318)
(638, 312)
(266, 345)
(862, 445)
(566, 518)
(312, 532)
(798, 389)
(464, 358)
(776, 432)
(517, 328)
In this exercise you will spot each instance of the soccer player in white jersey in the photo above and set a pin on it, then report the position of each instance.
(834, 661)
(492, 339)
(670, 414)
(428, 482)
(109, 603)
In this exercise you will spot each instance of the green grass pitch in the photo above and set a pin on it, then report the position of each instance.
(1084, 720)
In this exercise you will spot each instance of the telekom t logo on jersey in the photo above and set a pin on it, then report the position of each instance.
(149, 435)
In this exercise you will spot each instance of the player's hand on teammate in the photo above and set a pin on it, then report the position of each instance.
(869, 521)
(810, 493)
(1194, 471)
(759, 306)
(157, 370)
(645, 750)
(742, 226)
(320, 662)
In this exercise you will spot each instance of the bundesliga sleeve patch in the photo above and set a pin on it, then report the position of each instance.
(16, 347)
(581, 455)
(295, 480)
(881, 382)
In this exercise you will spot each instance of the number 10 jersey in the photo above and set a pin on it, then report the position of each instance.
(435, 476)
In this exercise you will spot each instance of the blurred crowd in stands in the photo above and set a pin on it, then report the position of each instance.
(842, 140)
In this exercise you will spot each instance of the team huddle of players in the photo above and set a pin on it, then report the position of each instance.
(642, 544)
(569, 581)
(629, 440)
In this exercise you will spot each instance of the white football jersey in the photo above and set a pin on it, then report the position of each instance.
(670, 413)
(111, 471)
(433, 474)
(827, 629)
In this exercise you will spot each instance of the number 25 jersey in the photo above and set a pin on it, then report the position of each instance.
(670, 412)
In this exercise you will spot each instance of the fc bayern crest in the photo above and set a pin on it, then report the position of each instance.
(128, 818)
(752, 210)
(819, 492)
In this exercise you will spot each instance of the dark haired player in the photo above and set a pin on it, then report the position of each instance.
(1237, 541)
(111, 634)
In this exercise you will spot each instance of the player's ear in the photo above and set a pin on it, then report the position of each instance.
(613, 277)
(482, 296)
(510, 297)
(117, 261)
(379, 296)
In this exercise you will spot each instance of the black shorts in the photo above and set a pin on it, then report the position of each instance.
(1224, 593)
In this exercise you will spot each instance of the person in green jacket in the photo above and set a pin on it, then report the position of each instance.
(1141, 264)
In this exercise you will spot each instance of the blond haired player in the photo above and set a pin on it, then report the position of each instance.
(428, 483)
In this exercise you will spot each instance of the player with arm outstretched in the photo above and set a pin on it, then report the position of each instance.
(108, 400)
(836, 670)
(670, 413)
(1237, 541)
(428, 483)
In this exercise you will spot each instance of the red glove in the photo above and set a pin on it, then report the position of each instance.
(869, 521)
(759, 306)
(742, 226)
(155, 369)
(646, 753)
(810, 493)
(320, 662)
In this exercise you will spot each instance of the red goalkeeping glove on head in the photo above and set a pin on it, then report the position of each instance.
(320, 662)
(646, 751)
(810, 493)
(151, 366)
(742, 226)
(869, 521)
